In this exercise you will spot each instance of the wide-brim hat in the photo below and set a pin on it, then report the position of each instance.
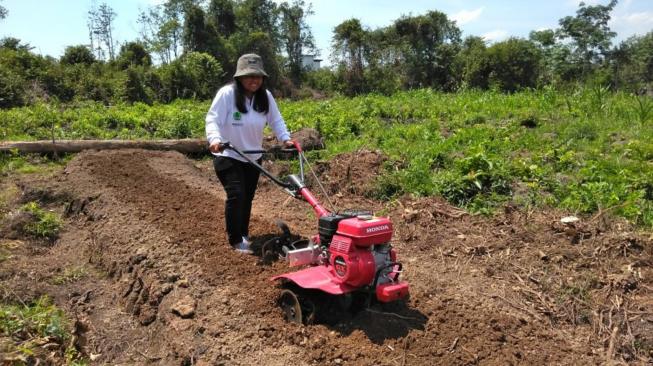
(250, 64)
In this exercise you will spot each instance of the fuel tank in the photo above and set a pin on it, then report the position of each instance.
(366, 231)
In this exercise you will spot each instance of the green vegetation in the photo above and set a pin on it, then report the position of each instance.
(70, 274)
(91, 120)
(44, 224)
(32, 325)
(14, 163)
(8, 192)
(585, 150)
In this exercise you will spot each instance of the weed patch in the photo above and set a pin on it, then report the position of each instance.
(44, 224)
(70, 274)
(32, 329)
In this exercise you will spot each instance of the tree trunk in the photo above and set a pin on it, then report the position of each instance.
(308, 138)
(75, 146)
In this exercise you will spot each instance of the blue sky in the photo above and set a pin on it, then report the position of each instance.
(51, 25)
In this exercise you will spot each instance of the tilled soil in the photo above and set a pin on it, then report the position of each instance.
(162, 285)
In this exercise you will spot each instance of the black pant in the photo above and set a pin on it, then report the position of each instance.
(239, 180)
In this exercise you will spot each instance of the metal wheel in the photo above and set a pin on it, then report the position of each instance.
(295, 308)
(289, 303)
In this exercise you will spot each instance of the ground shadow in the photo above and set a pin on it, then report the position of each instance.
(380, 322)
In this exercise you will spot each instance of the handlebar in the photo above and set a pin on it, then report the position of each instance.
(295, 185)
(293, 150)
(243, 154)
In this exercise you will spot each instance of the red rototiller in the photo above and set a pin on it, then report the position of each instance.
(348, 263)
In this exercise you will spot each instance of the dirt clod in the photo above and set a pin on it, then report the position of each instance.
(185, 308)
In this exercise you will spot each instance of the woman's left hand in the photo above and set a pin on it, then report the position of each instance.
(289, 143)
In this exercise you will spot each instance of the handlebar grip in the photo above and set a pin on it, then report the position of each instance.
(298, 147)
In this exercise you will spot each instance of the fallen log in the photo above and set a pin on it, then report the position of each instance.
(310, 139)
(74, 146)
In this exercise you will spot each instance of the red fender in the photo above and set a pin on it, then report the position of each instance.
(318, 278)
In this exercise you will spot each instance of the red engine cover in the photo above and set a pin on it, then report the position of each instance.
(351, 265)
(366, 232)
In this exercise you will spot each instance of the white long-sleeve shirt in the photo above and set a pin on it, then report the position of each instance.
(224, 123)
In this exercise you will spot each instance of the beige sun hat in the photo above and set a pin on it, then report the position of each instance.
(250, 64)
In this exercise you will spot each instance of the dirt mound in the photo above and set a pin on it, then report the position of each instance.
(351, 173)
(162, 285)
(308, 139)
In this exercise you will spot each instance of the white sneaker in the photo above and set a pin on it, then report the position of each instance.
(246, 240)
(243, 247)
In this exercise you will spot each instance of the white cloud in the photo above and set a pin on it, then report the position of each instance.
(587, 2)
(495, 35)
(466, 16)
(634, 23)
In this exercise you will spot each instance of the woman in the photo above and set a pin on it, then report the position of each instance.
(238, 114)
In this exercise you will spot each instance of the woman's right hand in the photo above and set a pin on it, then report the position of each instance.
(216, 147)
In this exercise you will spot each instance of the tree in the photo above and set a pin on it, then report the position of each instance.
(545, 40)
(514, 64)
(474, 63)
(194, 75)
(589, 34)
(133, 54)
(14, 44)
(259, 16)
(428, 44)
(222, 15)
(196, 34)
(27, 77)
(206, 73)
(3, 12)
(100, 25)
(296, 35)
(74, 55)
(382, 56)
(632, 63)
(161, 32)
(348, 49)
(132, 88)
(200, 35)
(12, 84)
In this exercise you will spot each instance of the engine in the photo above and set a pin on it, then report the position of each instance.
(360, 253)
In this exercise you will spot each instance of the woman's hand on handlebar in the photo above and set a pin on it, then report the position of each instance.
(289, 144)
(216, 147)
